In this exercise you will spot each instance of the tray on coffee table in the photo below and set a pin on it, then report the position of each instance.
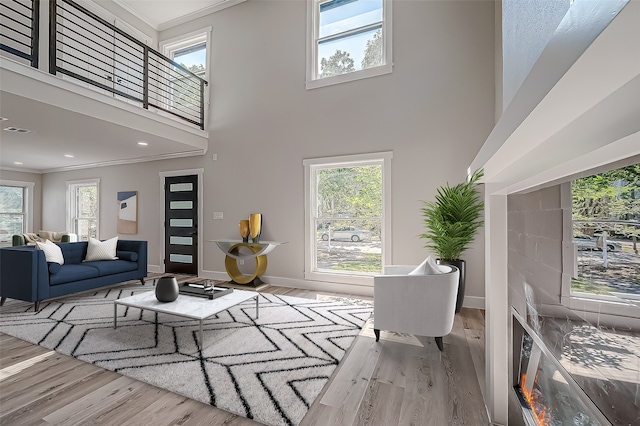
(199, 290)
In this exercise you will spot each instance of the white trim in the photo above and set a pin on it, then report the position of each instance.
(187, 172)
(312, 80)
(29, 187)
(161, 26)
(127, 161)
(312, 164)
(224, 4)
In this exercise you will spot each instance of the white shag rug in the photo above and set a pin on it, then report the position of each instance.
(270, 369)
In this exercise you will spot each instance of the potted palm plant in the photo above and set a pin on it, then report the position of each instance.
(452, 221)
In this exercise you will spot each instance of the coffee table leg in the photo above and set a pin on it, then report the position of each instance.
(201, 336)
(115, 315)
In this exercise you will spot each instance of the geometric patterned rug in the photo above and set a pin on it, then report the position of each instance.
(270, 369)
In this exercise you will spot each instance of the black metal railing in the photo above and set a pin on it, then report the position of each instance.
(19, 28)
(88, 48)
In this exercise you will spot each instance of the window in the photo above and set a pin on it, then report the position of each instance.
(347, 217)
(606, 227)
(348, 40)
(190, 51)
(83, 208)
(16, 207)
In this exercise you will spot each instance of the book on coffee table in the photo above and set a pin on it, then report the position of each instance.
(199, 290)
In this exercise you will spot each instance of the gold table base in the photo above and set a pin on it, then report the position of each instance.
(231, 264)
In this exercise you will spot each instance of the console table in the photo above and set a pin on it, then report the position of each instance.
(257, 251)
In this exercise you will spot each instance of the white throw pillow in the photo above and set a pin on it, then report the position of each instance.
(429, 267)
(101, 250)
(52, 252)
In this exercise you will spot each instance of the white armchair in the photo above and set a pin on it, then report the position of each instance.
(422, 305)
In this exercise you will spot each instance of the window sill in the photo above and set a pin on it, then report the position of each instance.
(359, 280)
(352, 76)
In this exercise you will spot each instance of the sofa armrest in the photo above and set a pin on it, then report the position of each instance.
(69, 238)
(139, 247)
(18, 240)
(24, 274)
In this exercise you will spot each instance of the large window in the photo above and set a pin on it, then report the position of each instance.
(348, 40)
(606, 229)
(83, 208)
(347, 217)
(16, 199)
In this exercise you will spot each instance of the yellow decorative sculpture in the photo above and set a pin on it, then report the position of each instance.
(255, 226)
(244, 230)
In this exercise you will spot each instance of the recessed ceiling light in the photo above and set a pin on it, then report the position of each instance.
(3, 118)
(68, 155)
(17, 130)
(17, 163)
(143, 143)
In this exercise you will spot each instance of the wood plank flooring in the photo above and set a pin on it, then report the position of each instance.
(401, 380)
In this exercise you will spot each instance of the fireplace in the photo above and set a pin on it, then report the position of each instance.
(544, 393)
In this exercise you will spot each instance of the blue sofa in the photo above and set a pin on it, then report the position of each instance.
(26, 275)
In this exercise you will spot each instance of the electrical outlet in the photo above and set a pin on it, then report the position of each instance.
(217, 215)
(214, 157)
(240, 261)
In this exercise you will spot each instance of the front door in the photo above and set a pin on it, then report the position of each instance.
(181, 224)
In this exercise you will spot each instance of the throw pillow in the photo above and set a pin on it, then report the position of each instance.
(428, 267)
(101, 250)
(52, 252)
(131, 256)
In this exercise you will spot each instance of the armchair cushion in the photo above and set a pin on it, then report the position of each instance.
(429, 267)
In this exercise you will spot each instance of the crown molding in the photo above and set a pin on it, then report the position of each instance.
(161, 26)
(137, 14)
(125, 161)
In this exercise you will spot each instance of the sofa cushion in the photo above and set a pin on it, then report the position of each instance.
(101, 250)
(52, 252)
(73, 272)
(131, 256)
(110, 267)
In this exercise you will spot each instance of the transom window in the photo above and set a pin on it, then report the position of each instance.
(349, 40)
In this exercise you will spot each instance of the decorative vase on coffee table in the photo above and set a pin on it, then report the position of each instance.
(255, 226)
(167, 289)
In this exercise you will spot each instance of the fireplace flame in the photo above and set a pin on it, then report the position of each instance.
(540, 413)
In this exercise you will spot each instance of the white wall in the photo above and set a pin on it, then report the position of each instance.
(434, 111)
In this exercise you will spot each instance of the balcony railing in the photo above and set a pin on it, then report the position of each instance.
(87, 48)
(19, 28)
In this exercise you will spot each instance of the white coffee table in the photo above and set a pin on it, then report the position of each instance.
(193, 307)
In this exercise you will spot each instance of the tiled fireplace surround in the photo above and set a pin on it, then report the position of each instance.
(597, 356)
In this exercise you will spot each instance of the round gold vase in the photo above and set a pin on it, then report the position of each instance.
(244, 230)
(255, 226)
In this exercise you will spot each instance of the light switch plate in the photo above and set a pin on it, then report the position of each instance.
(217, 215)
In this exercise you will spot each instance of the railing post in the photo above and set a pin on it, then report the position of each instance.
(53, 12)
(202, 104)
(35, 33)
(145, 79)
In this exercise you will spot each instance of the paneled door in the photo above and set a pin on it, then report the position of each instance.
(181, 224)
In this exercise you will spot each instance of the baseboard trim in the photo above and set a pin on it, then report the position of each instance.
(474, 302)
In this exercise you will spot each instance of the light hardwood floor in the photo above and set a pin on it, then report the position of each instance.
(400, 380)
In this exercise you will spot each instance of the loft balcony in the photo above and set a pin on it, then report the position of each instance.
(78, 82)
